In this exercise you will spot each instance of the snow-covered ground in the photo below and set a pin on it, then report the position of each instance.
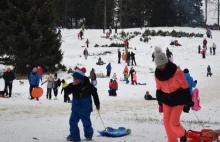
(22, 120)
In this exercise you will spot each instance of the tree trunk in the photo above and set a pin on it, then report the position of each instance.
(105, 15)
(218, 13)
(206, 11)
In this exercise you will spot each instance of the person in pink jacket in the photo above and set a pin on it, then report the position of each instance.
(134, 79)
(172, 94)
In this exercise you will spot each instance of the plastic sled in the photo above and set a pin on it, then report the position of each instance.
(206, 135)
(196, 100)
(37, 92)
(83, 46)
(110, 132)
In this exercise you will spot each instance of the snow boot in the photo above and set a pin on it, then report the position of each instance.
(88, 138)
(70, 138)
(184, 138)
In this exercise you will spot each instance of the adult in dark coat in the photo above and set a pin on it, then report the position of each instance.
(8, 77)
(131, 74)
(199, 49)
(153, 56)
(119, 56)
(133, 61)
(168, 53)
(128, 58)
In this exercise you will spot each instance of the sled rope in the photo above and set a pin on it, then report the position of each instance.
(198, 120)
(102, 121)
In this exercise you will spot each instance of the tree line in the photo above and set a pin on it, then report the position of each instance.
(129, 13)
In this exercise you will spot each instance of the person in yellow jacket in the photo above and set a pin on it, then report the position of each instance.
(64, 87)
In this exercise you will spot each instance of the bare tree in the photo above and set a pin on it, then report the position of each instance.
(216, 4)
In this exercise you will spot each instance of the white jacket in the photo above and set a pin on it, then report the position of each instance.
(214, 45)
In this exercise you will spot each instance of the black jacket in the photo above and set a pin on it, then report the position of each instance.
(83, 90)
(132, 56)
(119, 54)
(131, 73)
(128, 56)
(178, 97)
(9, 76)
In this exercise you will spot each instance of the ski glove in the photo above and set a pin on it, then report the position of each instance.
(98, 108)
(195, 81)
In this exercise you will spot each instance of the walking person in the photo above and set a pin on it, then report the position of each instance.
(93, 77)
(57, 84)
(119, 56)
(8, 77)
(50, 85)
(172, 94)
(86, 53)
(133, 61)
(64, 88)
(214, 48)
(109, 68)
(87, 43)
(82, 92)
(34, 80)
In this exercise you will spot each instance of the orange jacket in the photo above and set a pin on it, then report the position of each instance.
(125, 70)
(172, 87)
(176, 82)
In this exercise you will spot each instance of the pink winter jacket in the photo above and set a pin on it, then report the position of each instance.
(134, 77)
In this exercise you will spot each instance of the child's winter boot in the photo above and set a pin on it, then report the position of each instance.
(88, 138)
(184, 138)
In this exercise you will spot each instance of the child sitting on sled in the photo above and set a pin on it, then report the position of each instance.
(148, 96)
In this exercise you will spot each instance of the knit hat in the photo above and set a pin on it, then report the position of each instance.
(160, 57)
(83, 70)
(186, 71)
(147, 92)
(34, 70)
(79, 74)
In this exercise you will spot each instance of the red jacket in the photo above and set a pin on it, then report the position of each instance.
(115, 86)
(110, 84)
(205, 42)
(39, 70)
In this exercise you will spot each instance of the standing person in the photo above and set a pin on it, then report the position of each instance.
(128, 58)
(116, 29)
(131, 74)
(210, 50)
(126, 77)
(205, 42)
(81, 34)
(119, 56)
(153, 56)
(40, 72)
(134, 78)
(190, 81)
(169, 53)
(172, 93)
(109, 68)
(110, 87)
(114, 88)
(87, 43)
(125, 71)
(64, 88)
(82, 92)
(50, 85)
(110, 30)
(133, 61)
(34, 80)
(209, 33)
(214, 48)
(209, 71)
(93, 77)
(199, 49)
(8, 77)
(203, 52)
(57, 84)
(86, 53)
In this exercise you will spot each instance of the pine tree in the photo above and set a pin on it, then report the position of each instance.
(27, 34)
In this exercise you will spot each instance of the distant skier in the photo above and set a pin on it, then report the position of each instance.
(82, 91)
(8, 77)
(190, 81)
(214, 48)
(34, 80)
(87, 43)
(119, 56)
(86, 53)
(109, 68)
(209, 71)
(133, 61)
(199, 49)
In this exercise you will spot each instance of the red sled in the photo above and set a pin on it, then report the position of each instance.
(83, 46)
(206, 135)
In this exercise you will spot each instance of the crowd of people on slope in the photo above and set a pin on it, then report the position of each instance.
(203, 51)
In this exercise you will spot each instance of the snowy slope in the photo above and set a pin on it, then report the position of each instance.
(22, 120)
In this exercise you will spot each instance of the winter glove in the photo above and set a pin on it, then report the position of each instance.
(98, 108)
(186, 109)
(195, 81)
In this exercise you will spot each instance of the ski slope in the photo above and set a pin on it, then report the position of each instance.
(22, 120)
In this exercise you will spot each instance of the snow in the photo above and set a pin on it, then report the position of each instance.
(21, 120)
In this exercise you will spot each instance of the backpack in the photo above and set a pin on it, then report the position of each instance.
(196, 100)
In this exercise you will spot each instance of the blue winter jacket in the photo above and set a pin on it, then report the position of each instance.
(190, 81)
(34, 78)
(108, 67)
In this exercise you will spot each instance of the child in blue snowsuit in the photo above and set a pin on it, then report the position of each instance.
(109, 68)
(209, 72)
(82, 91)
(190, 81)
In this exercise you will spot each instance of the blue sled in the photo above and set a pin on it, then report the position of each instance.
(110, 132)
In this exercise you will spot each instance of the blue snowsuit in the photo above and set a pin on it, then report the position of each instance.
(190, 81)
(82, 108)
(108, 68)
(209, 72)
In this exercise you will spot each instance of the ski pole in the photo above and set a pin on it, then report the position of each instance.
(102, 120)
(198, 120)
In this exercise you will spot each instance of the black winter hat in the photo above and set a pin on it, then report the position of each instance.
(186, 71)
